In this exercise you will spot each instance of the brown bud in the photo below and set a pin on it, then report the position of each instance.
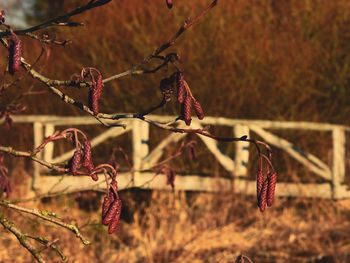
(94, 176)
(198, 109)
(115, 222)
(262, 197)
(166, 87)
(75, 162)
(169, 3)
(271, 186)
(15, 53)
(186, 110)
(170, 178)
(180, 85)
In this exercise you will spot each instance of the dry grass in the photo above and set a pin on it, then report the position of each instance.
(180, 227)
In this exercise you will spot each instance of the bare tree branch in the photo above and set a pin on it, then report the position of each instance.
(21, 237)
(47, 216)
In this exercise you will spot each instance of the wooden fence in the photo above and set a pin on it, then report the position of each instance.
(144, 157)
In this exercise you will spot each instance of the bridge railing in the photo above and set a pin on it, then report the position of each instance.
(144, 157)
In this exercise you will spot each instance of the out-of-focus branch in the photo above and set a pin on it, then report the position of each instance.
(185, 26)
(47, 216)
(60, 20)
(31, 156)
(135, 70)
(22, 238)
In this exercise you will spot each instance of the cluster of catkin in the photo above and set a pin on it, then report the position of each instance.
(186, 100)
(111, 208)
(94, 77)
(265, 186)
(184, 96)
(82, 158)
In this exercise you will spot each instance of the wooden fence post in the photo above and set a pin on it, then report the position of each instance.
(38, 138)
(48, 151)
(140, 137)
(338, 171)
(242, 151)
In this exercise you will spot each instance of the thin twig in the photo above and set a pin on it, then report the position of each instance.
(47, 216)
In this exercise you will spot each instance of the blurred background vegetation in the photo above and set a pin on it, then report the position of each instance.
(276, 60)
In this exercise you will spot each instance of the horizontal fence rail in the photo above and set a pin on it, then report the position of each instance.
(144, 157)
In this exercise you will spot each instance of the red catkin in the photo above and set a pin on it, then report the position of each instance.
(107, 201)
(99, 85)
(180, 85)
(93, 99)
(271, 187)
(110, 213)
(95, 94)
(115, 222)
(259, 182)
(87, 159)
(198, 109)
(186, 110)
(75, 162)
(15, 53)
(169, 3)
(262, 197)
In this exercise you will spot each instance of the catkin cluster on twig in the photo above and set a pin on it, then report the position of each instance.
(82, 158)
(184, 96)
(111, 208)
(93, 76)
(186, 100)
(265, 184)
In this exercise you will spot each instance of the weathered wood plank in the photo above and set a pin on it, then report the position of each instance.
(304, 158)
(110, 133)
(68, 183)
(266, 124)
(287, 189)
(158, 151)
(38, 139)
(213, 147)
(140, 142)
(338, 173)
(49, 129)
(242, 151)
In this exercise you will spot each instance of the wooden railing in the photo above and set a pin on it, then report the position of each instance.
(144, 157)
